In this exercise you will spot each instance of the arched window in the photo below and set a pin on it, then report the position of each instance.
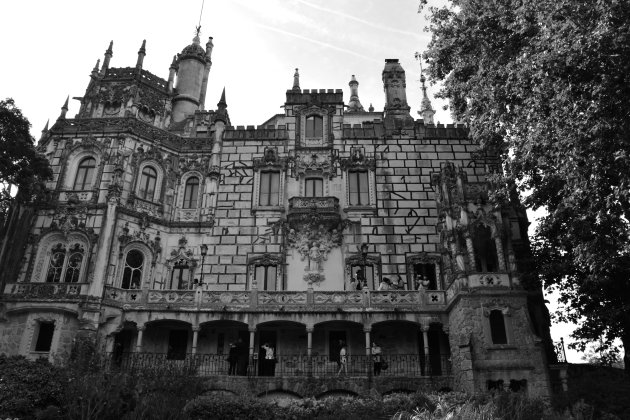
(485, 250)
(313, 187)
(132, 275)
(497, 327)
(85, 173)
(191, 191)
(55, 264)
(73, 267)
(314, 126)
(148, 180)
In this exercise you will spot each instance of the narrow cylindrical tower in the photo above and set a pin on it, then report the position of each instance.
(204, 84)
(141, 53)
(191, 64)
(108, 56)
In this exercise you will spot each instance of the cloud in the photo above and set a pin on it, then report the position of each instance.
(356, 19)
(315, 41)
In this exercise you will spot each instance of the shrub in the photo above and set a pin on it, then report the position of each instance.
(29, 386)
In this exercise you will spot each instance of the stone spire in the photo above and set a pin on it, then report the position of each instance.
(426, 109)
(171, 74)
(296, 81)
(95, 69)
(64, 109)
(141, 53)
(354, 105)
(108, 56)
(222, 109)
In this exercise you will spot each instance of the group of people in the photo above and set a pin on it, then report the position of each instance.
(377, 359)
(359, 282)
(238, 359)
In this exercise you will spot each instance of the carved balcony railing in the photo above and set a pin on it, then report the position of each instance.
(45, 291)
(322, 210)
(481, 280)
(398, 365)
(290, 301)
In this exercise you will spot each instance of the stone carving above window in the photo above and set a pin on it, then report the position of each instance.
(305, 161)
(358, 160)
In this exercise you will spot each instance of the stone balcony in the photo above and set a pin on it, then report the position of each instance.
(306, 209)
(284, 301)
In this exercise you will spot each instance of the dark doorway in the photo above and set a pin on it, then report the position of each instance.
(177, 344)
(269, 337)
(435, 359)
(335, 338)
(122, 344)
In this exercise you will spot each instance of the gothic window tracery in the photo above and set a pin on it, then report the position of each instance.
(132, 273)
(148, 181)
(65, 263)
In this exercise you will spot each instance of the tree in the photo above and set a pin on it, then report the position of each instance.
(546, 84)
(21, 165)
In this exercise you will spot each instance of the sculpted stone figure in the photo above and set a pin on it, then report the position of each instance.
(314, 257)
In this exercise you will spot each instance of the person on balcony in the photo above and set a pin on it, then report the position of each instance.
(269, 361)
(232, 359)
(343, 359)
(360, 282)
(385, 284)
(377, 358)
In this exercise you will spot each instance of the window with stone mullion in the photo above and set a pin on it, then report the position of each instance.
(314, 187)
(265, 276)
(359, 188)
(85, 172)
(269, 188)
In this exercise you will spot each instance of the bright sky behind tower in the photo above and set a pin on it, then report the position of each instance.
(49, 48)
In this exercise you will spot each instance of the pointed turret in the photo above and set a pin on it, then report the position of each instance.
(64, 109)
(193, 65)
(44, 131)
(296, 81)
(222, 114)
(354, 105)
(108, 56)
(172, 71)
(95, 69)
(206, 73)
(141, 53)
(426, 110)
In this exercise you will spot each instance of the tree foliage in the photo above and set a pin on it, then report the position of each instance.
(546, 83)
(20, 163)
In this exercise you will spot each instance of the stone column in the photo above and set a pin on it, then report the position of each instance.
(309, 338)
(252, 337)
(471, 253)
(425, 339)
(500, 255)
(139, 338)
(103, 246)
(195, 330)
(368, 350)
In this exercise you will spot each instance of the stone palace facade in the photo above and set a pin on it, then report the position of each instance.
(170, 234)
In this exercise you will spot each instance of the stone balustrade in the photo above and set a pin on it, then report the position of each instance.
(45, 291)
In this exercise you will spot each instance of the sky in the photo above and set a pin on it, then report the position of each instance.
(49, 48)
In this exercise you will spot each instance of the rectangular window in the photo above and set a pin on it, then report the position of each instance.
(314, 126)
(45, 336)
(425, 272)
(358, 187)
(357, 272)
(269, 188)
(266, 276)
(314, 187)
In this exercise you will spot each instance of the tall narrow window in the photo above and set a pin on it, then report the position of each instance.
(497, 327)
(55, 264)
(358, 188)
(180, 276)
(314, 187)
(85, 173)
(314, 126)
(485, 250)
(425, 272)
(45, 336)
(265, 276)
(148, 179)
(132, 275)
(75, 260)
(191, 191)
(269, 188)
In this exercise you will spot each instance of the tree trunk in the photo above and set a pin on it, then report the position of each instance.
(625, 340)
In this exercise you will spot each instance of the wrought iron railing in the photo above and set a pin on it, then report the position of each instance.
(398, 365)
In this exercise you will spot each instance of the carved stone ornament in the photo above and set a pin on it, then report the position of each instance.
(308, 161)
(446, 185)
(358, 160)
(270, 160)
(194, 162)
(140, 236)
(314, 244)
(71, 219)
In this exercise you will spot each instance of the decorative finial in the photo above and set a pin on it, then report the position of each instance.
(64, 109)
(426, 109)
(108, 56)
(143, 47)
(46, 126)
(174, 62)
(354, 105)
(296, 80)
(222, 109)
(371, 108)
(96, 66)
(110, 50)
(141, 53)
